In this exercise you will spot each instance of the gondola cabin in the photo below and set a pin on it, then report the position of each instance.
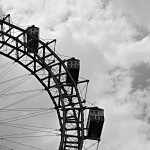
(32, 36)
(95, 123)
(73, 66)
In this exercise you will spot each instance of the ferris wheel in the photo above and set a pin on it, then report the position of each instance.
(39, 88)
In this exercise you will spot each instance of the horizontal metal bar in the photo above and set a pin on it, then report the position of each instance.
(71, 146)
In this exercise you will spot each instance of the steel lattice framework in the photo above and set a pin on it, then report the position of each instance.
(51, 72)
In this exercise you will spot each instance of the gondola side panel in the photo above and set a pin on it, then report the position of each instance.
(32, 37)
(95, 123)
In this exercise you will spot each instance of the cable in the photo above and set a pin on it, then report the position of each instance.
(97, 145)
(28, 135)
(30, 126)
(20, 144)
(4, 147)
(4, 65)
(26, 109)
(25, 128)
(22, 100)
(8, 69)
(31, 136)
(14, 78)
(21, 92)
(91, 103)
(25, 116)
(89, 146)
(14, 85)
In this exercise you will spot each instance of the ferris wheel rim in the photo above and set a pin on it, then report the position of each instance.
(46, 67)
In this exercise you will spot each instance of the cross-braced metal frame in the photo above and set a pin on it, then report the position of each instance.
(51, 72)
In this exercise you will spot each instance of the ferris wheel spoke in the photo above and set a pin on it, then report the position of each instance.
(7, 70)
(12, 79)
(20, 92)
(14, 85)
(22, 100)
(29, 128)
(24, 104)
(5, 64)
(31, 136)
(25, 133)
(22, 117)
(5, 147)
(26, 109)
(25, 145)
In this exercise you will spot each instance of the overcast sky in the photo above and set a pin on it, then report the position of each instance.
(111, 38)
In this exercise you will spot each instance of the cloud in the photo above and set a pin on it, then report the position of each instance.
(127, 132)
(137, 11)
(111, 38)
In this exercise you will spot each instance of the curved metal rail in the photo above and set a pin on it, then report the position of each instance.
(51, 72)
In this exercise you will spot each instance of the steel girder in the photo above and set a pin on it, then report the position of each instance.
(51, 72)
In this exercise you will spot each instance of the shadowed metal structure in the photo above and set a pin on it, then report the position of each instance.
(53, 74)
